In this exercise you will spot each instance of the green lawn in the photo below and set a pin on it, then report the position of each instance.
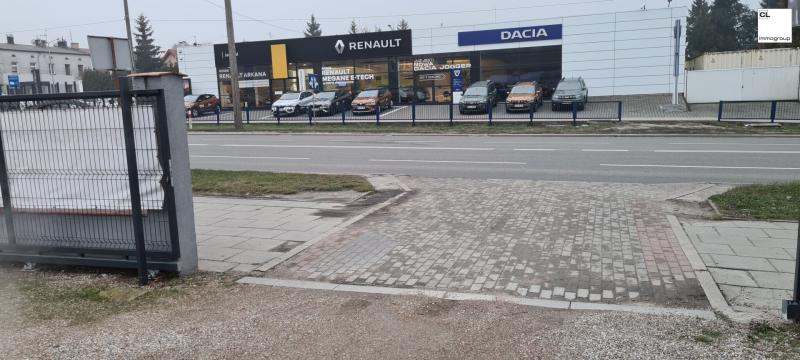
(762, 202)
(260, 183)
(605, 128)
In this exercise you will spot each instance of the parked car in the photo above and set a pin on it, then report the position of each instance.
(372, 101)
(292, 103)
(198, 105)
(524, 96)
(480, 97)
(569, 91)
(329, 102)
(407, 95)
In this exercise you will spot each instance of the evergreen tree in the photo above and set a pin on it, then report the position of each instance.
(698, 29)
(313, 29)
(353, 27)
(774, 4)
(747, 30)
(145, 54)
(403, 25)
(724, 16)
(96, 80)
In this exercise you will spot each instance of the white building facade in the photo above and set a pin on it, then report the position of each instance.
(56, 69)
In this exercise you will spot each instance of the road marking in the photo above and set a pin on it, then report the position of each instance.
(535, 149)
(702, 167)
(394, 141)
(198, 144)
(249, 157)
(451, 161)
(734, 144)
(604, 150)
(357, 147)
(395, 110)
(544, 141)
(729, 151)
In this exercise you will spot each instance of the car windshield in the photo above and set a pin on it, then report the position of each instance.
(475, 91)
(569, 85)
(326, 95)
(368, 93)
(525, 89)
(290, 96)
(190, 98)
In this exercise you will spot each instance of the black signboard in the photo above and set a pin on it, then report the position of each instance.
(323, 48)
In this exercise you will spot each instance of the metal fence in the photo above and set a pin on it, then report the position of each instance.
(85, 180)
(759, 111)
(433, 113)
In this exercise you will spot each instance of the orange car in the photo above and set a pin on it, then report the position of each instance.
(524, 96)
(372, 101)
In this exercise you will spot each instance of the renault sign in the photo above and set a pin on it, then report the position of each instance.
(499, 36)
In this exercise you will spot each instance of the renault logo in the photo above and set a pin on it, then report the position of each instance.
(339, 46)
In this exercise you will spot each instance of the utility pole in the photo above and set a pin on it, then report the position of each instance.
(234, 68)
(130, 37)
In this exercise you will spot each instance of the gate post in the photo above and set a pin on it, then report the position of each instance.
(451, 114)
(531, 109)
(8, 213)
(183, 240)
(773, 109)
(719, 111)
(378, 114)
(489, 105)
(414, 111)
(574, 114)
(619, 111)
(133, 179)
(247, 113)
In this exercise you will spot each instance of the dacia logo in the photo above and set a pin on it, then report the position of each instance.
(339, 46)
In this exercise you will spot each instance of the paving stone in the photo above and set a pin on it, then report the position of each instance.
(216, 253)
(762, 252)
(721, 249)
(732, 277)
(215, 266)
(223, 241)
(260, 244)
(254, 257)
(773, 280)
(740, 262)
(262, 233)
(781, 234)
(298, 236)
(245, 268)
(786, 266)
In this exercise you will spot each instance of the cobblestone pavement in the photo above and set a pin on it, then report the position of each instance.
(752, 262)
(549, 240)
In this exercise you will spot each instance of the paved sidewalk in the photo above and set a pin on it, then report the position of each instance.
(752, 262)
(242, 234)
(592, 242)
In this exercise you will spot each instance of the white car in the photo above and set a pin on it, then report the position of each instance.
(292, 103)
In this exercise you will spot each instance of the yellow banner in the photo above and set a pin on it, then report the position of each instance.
(279, 64)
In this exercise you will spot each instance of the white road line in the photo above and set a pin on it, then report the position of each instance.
(357, 147)
(198, 144)
(249, 157)
(535, 149)
(392, 141)
(451, 161)
(729, 151)
(702, 167)
(733, 144)
(545, 142)
(604, 150)
(398, 109)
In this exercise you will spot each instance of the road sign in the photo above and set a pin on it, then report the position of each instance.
(13, 81)
(315, 82)
(110, 53)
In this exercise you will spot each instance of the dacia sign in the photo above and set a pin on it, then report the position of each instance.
(499, 36)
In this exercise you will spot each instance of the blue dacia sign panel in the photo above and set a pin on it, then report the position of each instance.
(510, 35)
(13, 81)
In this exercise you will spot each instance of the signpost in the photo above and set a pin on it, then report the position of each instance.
(13, 82)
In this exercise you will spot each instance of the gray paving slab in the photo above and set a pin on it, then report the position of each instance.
(216, 253)
(741, 262)
(773, 280)
(761, 252)
(732, 277)
(259, 244)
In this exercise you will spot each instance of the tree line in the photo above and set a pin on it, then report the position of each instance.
(314, 29)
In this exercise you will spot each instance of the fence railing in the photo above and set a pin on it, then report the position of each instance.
(85, 180)
(441, 113)
(759, 111)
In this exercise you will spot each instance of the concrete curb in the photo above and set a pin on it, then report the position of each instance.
(196, 132)
(460, 296)
(291, 253)
(710, 288)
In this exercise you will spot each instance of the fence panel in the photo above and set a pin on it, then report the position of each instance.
(755, 111)
(67, 175)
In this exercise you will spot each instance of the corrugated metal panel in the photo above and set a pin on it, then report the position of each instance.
(748, 59)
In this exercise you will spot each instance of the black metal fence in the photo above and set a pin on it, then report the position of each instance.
(442, 113)
(85, 180)
(759, 111)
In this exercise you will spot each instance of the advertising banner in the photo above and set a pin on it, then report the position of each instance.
(510, 35)
(457, 76)
(774, 26)
(13, 81)
(315, 82)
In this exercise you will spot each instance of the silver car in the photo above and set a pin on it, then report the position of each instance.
(292, 103)
(569, 91)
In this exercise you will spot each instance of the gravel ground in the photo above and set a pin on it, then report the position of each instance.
(213, 318)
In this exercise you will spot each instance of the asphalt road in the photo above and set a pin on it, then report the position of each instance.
(605, 159)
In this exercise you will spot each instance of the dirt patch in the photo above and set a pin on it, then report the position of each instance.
(359, 204)
(434, 307)
(353, 305)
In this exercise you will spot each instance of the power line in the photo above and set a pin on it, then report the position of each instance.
(252, 18)
(62, 27)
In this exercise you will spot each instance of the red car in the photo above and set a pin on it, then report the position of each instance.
(197, 105)
(372, 101)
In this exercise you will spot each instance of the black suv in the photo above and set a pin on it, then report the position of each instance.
(478, 98)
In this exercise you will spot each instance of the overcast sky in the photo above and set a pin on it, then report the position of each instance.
(203, 20)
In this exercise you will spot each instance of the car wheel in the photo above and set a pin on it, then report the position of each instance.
(195, 113)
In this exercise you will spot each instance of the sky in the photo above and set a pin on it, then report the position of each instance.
(203, 21)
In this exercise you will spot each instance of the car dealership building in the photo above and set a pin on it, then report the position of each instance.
(623, 53)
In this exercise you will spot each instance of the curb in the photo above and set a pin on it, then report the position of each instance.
(291, 253)
(710, 288)
(495, 135)
(461, 296)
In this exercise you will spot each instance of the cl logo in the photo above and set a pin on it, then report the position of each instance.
(339, 46)
(763, 14)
